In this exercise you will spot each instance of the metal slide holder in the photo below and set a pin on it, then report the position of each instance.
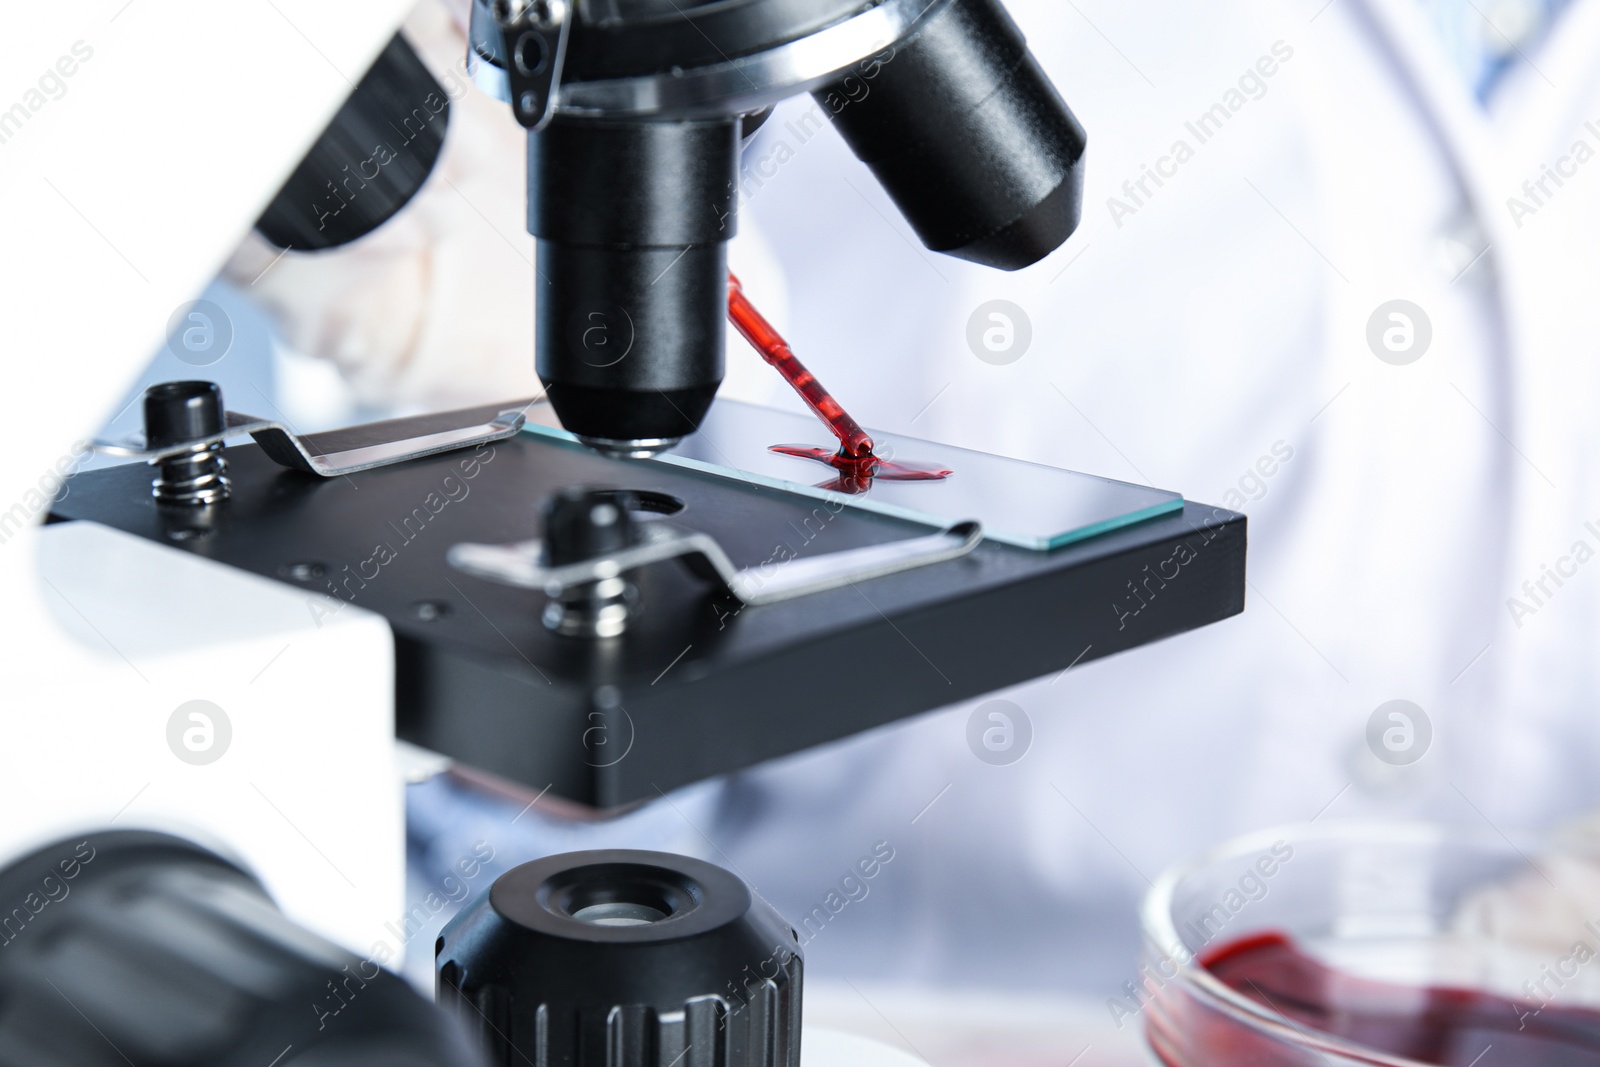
(592, 544)
(286, 449)
(186, 422)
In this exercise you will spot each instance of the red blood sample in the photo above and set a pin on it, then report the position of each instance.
(1437, 1025)
(857, 473)
(855, 461)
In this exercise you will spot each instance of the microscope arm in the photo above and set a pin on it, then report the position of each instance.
(177, 125)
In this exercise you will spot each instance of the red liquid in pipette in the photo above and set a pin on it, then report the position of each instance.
(853, 440)
(855, 461)
(1448, 1026)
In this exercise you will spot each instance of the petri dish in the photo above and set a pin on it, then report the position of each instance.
(1393, 945)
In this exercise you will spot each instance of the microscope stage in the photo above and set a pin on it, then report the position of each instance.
(698, 685)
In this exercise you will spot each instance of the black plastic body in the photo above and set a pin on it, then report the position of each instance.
(580, 524)
(968, 136)
(178, 412)
(713, 981)
(633, 220)
(134, 949)
(370, 161)
(696, 687)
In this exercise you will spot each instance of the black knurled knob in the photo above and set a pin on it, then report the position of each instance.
(624, 959)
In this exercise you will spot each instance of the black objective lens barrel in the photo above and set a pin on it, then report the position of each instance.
(968, 136)
(633, 220)
(138, 948)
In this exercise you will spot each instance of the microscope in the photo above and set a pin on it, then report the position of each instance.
(613, 574)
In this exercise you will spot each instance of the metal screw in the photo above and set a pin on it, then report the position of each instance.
(547, 13)
(598, 610)
(430, 610)
(177, 412)
(583, 523)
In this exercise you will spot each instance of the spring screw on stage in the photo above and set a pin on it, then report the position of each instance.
(178, 412)
(582, 524)
(598, 610)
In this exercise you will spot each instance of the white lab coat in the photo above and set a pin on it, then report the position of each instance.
(1220, 325)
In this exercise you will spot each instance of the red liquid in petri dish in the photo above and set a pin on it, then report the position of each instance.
(856, 462)
(1436, 1025)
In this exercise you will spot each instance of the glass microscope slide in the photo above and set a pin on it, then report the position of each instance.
(1019, 503)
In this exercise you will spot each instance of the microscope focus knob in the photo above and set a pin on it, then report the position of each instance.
(624, 959)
